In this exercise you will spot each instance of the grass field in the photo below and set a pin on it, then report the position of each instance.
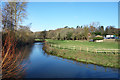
(104, 59)
(84, 45)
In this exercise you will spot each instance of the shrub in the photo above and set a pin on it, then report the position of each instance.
(10, 60)
(118, 40)
(98, 38)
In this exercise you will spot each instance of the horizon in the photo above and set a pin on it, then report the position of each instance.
(53, 15)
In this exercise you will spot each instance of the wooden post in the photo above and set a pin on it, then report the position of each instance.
(96, 50)
(87, 49)
(80, 48)
(73, 47)
(51, 45)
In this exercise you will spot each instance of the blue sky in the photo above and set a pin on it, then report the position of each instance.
(53, 15)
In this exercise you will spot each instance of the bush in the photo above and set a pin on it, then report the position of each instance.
(118, 40)
(96, 33)
(98, 38)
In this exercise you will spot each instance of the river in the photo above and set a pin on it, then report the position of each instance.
(42, 65)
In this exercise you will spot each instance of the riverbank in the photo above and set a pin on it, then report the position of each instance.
(39, 40)
(104, 59)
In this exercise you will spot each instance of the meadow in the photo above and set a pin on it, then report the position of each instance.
(83, 51)
(83, 44)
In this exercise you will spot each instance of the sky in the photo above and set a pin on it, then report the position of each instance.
(53, 15)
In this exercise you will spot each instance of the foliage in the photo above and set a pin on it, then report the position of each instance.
(22, 36)
(96, 33)
(66, 27)
(69, 35)
(79, 33)
(98, 38)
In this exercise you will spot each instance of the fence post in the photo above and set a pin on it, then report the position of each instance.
(87, 49)
(51, 45)
(73, 47)
(80, 48)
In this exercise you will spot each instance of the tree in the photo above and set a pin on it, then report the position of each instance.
(59, 36)
(101, 29)
(81, 26)
(95, 24)
(24, 35)
(110, 30)
(92, 29)
(78, 26)
(69, 35)
(44, 34)
(106, 30)
(13, 14)
(86, 31)
(66, 27)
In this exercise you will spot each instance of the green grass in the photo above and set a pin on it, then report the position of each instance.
(92, 46)
(104, 59)
(38, 39)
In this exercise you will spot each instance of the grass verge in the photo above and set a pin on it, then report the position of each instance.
(103, 59)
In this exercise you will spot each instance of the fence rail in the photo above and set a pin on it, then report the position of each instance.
(108, 50)
(87, 49)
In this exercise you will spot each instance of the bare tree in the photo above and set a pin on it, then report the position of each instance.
(13, 14)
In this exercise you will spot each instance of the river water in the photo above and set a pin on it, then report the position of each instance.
(42, 65)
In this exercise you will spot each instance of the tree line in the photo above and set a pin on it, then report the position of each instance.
(13, 14)
(78, 33)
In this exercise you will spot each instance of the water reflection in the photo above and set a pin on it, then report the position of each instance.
(90, 66)
(26, 50)
(12, 63)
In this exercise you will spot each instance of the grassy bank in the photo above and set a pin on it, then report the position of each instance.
(39, 40)
(104, 59)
